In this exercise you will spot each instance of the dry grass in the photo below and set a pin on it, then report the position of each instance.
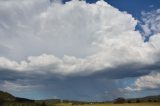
(130, 104)
(111, 104)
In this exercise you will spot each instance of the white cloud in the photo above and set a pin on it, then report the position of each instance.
(11, 86)
(151, 81)
(151, 22)
(72, 38)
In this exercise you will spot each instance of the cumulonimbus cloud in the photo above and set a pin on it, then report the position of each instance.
(41, 42)
(88, 37)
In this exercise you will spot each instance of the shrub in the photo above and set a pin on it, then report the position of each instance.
(1, 102)
(138, 101)
(155, 101)
(149, 100)
(119, 100)
(43, 104)
(129, 101)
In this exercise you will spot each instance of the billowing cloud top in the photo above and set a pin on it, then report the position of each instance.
(72, 39)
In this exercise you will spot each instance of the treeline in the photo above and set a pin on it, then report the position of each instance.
(137, 100)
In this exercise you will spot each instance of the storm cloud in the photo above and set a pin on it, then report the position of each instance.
(74, 50)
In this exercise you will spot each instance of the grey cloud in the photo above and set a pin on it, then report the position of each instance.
(81, 88)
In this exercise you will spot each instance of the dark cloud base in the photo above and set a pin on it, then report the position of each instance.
(100, 85)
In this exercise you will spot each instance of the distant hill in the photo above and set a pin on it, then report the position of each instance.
(7, 97)
(18, 99)
(152, 97)
(4, 96)
(155, 98)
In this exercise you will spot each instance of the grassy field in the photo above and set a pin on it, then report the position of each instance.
(111, 104)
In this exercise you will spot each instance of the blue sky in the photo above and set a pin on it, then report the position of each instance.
(134, 7)
(79, 50)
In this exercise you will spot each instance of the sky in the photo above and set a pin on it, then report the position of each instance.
(80, 50)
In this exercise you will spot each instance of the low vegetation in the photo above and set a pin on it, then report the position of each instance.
(7, 99)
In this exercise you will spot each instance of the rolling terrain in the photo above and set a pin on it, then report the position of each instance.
(7, 99)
